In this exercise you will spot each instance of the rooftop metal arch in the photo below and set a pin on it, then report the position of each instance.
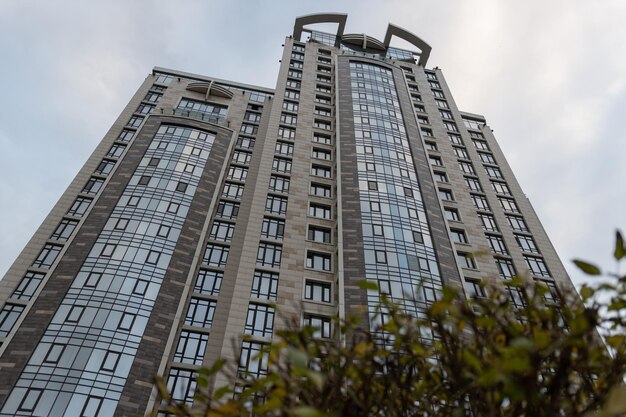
(311, 19)
(393, 30)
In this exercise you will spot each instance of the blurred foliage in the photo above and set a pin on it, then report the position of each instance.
(555, 356)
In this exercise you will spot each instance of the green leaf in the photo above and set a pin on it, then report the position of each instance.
(306, 411)
(586, 292)
(368, 285)
(587, 268)
(620, 249)
(298, 358)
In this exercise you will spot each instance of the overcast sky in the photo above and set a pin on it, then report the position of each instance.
(550, 76)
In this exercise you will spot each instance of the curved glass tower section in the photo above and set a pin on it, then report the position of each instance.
(80, 366)
(398, 250)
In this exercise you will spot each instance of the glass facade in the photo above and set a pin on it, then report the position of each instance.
(399, 254)
(80, 365)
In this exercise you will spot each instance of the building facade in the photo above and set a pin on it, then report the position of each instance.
(214, 209)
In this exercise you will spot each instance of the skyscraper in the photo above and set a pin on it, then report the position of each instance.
(210, 204)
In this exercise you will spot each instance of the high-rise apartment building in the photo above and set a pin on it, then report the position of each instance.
(214, 209)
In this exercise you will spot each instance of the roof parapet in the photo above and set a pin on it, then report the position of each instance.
(311, 19)
(393, 30)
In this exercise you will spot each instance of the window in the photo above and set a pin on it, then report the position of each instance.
(322, 138)
(508, 204)
(321, 171)
(445, 194)
(126, 322)
(227, 210)
(319, 210)
(144, 180)
(28, 285)
(380, 256)
(321, 124)
(260, 320)
(269, 255)
(320, 324)
(500, 187)
(526, 243)
(244, 142)
(216, 255)
(53, 355)
(276, 205)
(286, 133)
(273, 228)
(296, 64)
(152, 97)
(455, 139)
(442, 104)
(467, 168)
(445, 114)
(319, 261)
(264, 285)
(74, 314)
(537, 266)
(440, 176)
(191, 347)
(145, 108)
(419, 108)
(284, 148)
(279, 184)
(162, 78)
(480, 202)
(108, 249)
(317, 291)
(182, 384)
(253, 360)
(153, 257)
(222, 231)
(208, 282)
(488, 222)
(248, 129)
(294, 73)
(372, 186)
(466, 260)
(426, 132)
(423, 120)
(431, 146)
(200, 313)
(252, 117)
(281, 165)
(257, 97)
(289, 119)
(319, 234)
(438, 94)
(171, 207)
(110, 361)
(105, 167)
(451, 126)
(116, 151)
(290, 106)
(8, 316)
(474, 289)
(493, 172)
(181, 187)
(321, 154)
(452, 214)
(460, 152)
(64, 230)
(47, 256)
(232, 190)
(435, 160)
(505, 268)
(480, 144)
(473, 184)
(237, 173)
(497, 244)
(473, 124)
(320, 190)
(299, 48)
(487, 158)
(458, 236)
(135, 121)
(517, 223)
(242, 157)
(92, 280)
(30, 400)
(323, 99)
(322, 111)
(126, 135)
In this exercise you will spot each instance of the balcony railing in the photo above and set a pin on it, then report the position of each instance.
(197, 115)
